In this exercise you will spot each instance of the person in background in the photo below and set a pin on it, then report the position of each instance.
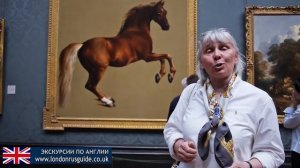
(223, 121)
(292, 121)
(193, 78)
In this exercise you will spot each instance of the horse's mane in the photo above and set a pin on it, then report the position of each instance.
(132, 14)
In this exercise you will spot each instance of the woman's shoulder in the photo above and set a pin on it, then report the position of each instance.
(251, 89)
(194, 87)
(246, 89)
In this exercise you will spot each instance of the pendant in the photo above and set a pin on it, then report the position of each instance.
(217, 111)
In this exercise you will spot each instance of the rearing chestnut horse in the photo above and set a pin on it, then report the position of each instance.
(133, 43)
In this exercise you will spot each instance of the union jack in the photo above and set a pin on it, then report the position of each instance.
(16, 155)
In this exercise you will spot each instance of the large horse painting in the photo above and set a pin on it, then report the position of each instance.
(131, 44)
(140, 102)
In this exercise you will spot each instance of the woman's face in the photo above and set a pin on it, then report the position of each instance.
(218, 60)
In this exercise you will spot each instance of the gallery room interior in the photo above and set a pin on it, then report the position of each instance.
(128, 110)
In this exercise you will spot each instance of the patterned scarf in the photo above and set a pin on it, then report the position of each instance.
(223, 144)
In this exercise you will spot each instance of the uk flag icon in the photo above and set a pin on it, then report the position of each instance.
(16, 155)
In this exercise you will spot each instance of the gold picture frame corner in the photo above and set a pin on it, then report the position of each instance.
(50, 122)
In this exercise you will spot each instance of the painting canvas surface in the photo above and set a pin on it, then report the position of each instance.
(276, 56)
(133, 87)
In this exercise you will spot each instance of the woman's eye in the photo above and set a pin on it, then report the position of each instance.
(208, 50)
(224, 48)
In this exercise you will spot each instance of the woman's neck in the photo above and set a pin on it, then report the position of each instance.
(220, 85)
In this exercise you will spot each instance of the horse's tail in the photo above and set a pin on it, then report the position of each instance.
(67, 59)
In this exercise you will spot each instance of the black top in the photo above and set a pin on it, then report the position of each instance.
(173, 105)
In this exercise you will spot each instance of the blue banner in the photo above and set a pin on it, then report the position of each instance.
(56, 155)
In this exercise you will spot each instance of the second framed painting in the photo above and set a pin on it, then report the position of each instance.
(117, 64)
(273, 52)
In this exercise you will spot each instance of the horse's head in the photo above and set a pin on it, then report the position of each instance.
(160, 15)
(140, 16)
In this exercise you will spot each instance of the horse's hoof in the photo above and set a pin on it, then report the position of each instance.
(157, 78)
(108, 102)
(170, 78)
(108, 105)
(112, 99)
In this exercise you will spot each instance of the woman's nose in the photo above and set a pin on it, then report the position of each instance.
(217, 54)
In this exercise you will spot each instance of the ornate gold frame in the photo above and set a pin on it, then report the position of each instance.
(53, 122)
(251, 11)
(1, 60)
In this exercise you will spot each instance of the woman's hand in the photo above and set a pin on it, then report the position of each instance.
(255, 163)
(185, 150)
(239, 164)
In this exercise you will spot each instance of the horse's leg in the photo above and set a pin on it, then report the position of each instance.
(156, 57)
(162, 71)
(172, 69)
(91, 85)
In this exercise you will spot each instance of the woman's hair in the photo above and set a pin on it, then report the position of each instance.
(297, 85)
(218, 35)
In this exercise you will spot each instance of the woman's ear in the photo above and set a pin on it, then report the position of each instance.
(236, 57)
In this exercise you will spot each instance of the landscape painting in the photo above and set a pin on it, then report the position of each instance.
(276, 52)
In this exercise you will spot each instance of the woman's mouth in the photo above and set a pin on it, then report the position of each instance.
(218, 66)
